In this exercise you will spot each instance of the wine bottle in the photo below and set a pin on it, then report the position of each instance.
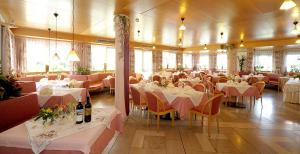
(88, 110)
(79, 112)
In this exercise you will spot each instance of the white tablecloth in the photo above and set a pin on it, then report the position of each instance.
(171, 92)
(59, 83)
(193, 81)
(291, 91)
(241, 87)
(259, 77)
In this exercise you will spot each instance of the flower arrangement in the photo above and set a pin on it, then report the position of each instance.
(259, 68)
(162, 83)
(59, 111)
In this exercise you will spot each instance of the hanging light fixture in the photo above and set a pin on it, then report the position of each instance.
(205, 47)
(287, 4)
(295, 30)
(222, 35)
(242, 44)
(298, 39)
(182, 26)
(72, 56)
(48, 63)
(56, 57)
(180, 42)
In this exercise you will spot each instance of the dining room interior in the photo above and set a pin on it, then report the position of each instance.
(149, 76)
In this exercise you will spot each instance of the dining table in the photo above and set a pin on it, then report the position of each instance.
(182, 99)
(193, 81)
(63, 136)
(238, 89)
(260, 77)
(291, 91)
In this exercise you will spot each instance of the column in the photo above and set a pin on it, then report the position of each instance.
(179, 58)
(122, 64)
(196, 57)
(278, 59)
(231, 61)
(131, 61)
(249, 60)
(212, 60)
(157, 60)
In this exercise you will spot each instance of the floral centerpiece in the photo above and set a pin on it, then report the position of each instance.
(163, 83)
(50, 114)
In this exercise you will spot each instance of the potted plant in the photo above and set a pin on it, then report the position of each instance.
(9, 87)
(83, 71)
(241, 62)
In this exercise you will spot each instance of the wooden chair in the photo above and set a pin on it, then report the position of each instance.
(210, 109)
(158, 107)
(260, 86)
(112, 85)
(156, 78)
(223, 79)
(200, 87)
(138, 99)
(188, 83)
(252, 80)
(133, 80)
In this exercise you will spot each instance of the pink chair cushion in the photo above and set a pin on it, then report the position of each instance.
(17, 110)
(79, 77)
(52, 77)
(215, 106)
(27, 86)
(156, 78)
(199, 87)
(112, 82)
(152, 103)
(29, 78)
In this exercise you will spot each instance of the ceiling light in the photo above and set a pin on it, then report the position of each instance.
(287, 4)
(221, 35)
(56, 57)
(72, 56)
(205, 47)
(153, 47)
(295, 30)
(182, 26)
(242, 44)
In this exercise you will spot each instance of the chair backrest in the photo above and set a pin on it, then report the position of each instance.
(112, 82)
(136, 97)
(156, 78)
(199, 87)
(210, 86)
(175, 78)
(133, 80)
(252, 80)
(223, 80)
(260, 86)
(152, 101)
(215, 104)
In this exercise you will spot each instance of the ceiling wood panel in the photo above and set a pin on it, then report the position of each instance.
(160, 19)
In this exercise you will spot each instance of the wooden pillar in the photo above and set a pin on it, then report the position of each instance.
(122, 26)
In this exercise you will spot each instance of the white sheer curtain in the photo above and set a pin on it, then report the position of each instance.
(168, 59)
(263, 58)
(292, 59)
(222, 60)
(101, 55)
(204, 60)
(143, 62)
(187, 61)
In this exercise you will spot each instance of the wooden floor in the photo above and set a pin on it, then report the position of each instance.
(275, 128)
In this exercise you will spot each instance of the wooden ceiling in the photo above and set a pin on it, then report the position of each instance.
(159, 19)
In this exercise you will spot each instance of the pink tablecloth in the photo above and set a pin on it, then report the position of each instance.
(48, 101)
(105, 82)
(232, 91)
(15, 140)
(182, 104)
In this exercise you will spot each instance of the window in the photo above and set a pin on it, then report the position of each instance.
(101, 56)
(292, 61)
(221, 60)
(38, 55)
(143, 62)
(169, 59)
(187, 60)
(204, 60)
(263, 60)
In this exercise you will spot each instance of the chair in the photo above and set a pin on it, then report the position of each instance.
(133, 80)
(199, 87)
(223, 79)
(210, 87)
(188, 83)
(156, 78)
(138, 99)
(260, 86)
(112, 85)
(158, 107)
(252, 80)
(209, 109)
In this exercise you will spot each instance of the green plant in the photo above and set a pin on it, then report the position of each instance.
(47, 114)
(259, 68)
(241, 62)
(9, 87)
(295, 68)
(83, 70)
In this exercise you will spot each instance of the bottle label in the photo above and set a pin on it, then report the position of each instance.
(88, 111)
(79, 115)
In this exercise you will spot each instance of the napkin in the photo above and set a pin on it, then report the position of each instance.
(44, 80)
(46, 90)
